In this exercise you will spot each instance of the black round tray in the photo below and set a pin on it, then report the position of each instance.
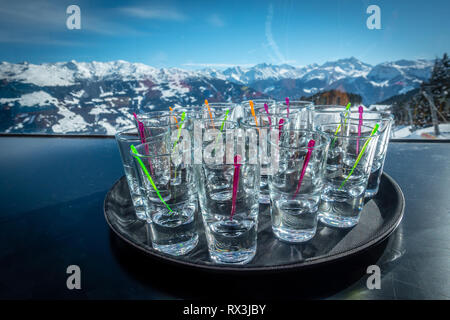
(379, 218)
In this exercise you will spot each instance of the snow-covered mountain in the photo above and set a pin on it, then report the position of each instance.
(373, 83)
(96, 97)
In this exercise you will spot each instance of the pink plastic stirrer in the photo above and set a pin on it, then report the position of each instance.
(287, 109)
(361, 110)
(280, 126)
(237, 166)
(311, 144)
(142, 134)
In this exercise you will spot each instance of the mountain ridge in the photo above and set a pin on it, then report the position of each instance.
(96, 97)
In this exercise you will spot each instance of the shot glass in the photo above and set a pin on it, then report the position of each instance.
(297, 184)
(263, 126)
(154, 123)
(297, 112)
(323, 114)
(219, 109)
(258, 107)
(295, 106)
(229, 192)
(349, 162)
(170, 190)
(385, 121)
(192, 112)
(125, 138)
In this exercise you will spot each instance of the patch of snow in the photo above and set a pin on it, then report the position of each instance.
(268, 89)
(78, 94)
(101, 109)
(380, 84)
(71, 122)
(379, 107)
(424, 133)
(105, 94)
(310, 90)
(406, 89)
(110, 130)
(37, 98)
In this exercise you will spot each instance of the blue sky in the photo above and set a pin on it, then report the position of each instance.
(195, 34)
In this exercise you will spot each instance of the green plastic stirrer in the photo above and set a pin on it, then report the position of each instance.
(133, 148)
(347, 108)
(183, 115)
(375, 129)
(221, 129)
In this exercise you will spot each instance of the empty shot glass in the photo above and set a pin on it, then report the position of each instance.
(170, 185)
(258, 107)
(385, 121)
(154, 123)
(296, 186)
(229, 192)
(297, 112)
(125, 138)
(263, 124)
(323, 114)
(349, 162)
(295, 107)
(218, 110)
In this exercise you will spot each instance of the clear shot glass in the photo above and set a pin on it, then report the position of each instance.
(385, 121)
(263, 126)
(170, 187)
(125, 138)
(297, 184)
(323, 114)
(258, 106)
(219, 110)
(349, 162)
(229, 193)
(297, 112)
(154, 123)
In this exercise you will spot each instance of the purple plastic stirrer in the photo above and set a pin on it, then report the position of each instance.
(237, 166)
(311, 144)
(266, 107)
(361, 110)
(287, 109)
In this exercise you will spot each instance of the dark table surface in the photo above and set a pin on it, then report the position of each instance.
(51, 216)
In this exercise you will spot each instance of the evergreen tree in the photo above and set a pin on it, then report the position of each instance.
(431, 104)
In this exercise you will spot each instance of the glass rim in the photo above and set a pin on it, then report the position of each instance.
(215, 121)
(220, 105)
(147, 121)
(258, 101)
(156, 113)
(119, 133)
(195, 109)
(246, 124)
(318, 146)
(296, 101)
(331, 106)
(141, 145)
(385, 116)
(365, 136)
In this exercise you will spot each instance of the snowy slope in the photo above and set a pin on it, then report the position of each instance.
(96, 97)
